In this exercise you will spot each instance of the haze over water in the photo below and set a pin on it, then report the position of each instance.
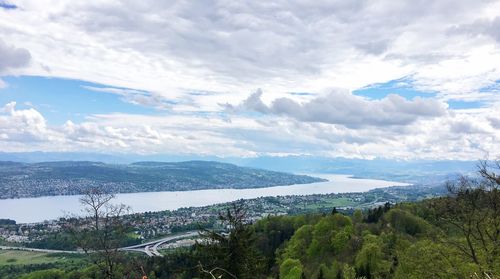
(28, 210)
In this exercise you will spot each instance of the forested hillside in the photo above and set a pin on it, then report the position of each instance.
(451, 237)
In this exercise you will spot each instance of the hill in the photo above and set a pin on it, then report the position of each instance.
(73, 177)
(411, 171)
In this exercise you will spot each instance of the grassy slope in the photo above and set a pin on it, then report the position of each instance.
(15, 257)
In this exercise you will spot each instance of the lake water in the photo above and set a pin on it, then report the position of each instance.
(29, 210)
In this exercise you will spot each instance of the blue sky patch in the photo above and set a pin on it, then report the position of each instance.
(493, 87)
(7, 5)
(459, 104)
(59, 100)
(402, 87)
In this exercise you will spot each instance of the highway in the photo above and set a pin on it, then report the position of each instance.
(151, 248)
(38, 250)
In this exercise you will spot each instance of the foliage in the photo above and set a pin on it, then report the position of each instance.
(235, 253)
(426, 259)
(46, 274)
(370, 260)
(291, 269)
(55, 241)
(470, 218)
(405, 222)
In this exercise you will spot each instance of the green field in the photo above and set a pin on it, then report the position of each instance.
(17, 257)
(330, 203)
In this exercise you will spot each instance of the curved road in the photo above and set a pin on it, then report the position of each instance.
(151, 248)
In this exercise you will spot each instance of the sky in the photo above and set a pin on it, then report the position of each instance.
(404, 80)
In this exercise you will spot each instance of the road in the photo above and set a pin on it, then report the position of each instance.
(38, 250)
(150, 248)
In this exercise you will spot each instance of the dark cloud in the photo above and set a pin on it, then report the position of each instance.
(495, 122)
(487, 27)
(253, 102)
(341, 107)
(12, 57)
(465, 127)
(373, 47)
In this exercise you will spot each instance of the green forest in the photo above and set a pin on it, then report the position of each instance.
(454, 236)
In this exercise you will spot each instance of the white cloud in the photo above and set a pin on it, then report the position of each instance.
(186, 58)
(234, 47)
(23, 126)
(461, 135)
(135, 97)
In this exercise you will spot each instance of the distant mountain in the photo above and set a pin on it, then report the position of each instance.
(73, 177)
(413, 171)
(38, 156)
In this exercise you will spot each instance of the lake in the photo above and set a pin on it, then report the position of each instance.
(28, 210)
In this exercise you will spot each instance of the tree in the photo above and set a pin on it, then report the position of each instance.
(45, 274)
(330, 234)
(424, 259)
(291, 269)
(234, 253)
(101, 234)
(348, 272)
(357, 216)
(375, 214)
(472, 213)
(334, 210)
(370, 260)
(405, 222)
(299, 243)
(320, 274)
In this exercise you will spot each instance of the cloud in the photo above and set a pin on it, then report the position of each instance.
(12, 57)
(344, 108)
(459, 135)
(289, 46)
(153, 134)
(485, 27)
(162, 55)
(136, 97)
(23, 125)
(495, 122)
